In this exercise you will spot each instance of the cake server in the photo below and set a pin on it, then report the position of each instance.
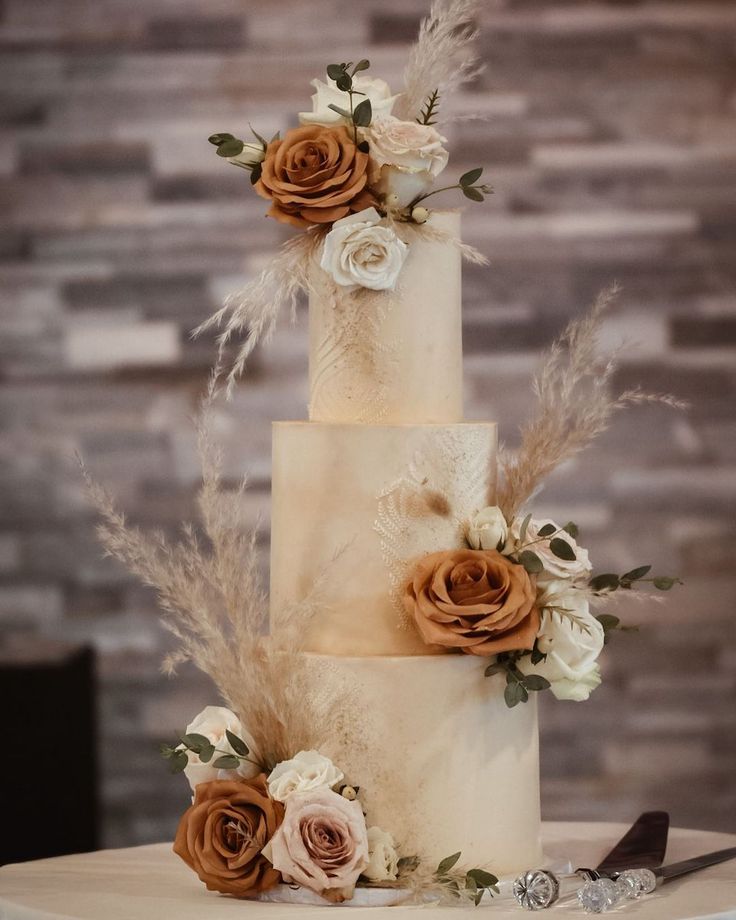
(643, 845)
(600, 895)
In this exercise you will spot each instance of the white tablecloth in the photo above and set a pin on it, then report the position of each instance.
(151, 883)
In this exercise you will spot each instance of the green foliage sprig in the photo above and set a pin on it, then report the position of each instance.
(429, 110)
(558, 545)
(202, 746)
(607, 582)
(470, 885)
(467, 185)
(518, 684)
(229, 146)
(360, 115)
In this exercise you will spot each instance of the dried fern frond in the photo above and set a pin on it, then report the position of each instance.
(211, 600)
(442, 58)
(254, 310)
(574, 406)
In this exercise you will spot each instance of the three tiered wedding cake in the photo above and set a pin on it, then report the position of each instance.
(381, 729)
(430, 735)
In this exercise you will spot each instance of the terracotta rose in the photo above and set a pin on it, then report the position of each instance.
(474, 600)
(222, 834)
(315, 175)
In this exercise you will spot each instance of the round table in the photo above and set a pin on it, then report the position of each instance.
(151, 883)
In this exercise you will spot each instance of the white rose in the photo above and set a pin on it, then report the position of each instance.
(488, 529)
(406, 157)
(554, 567)
(212, 722)
(361, 252)
(306, 771)
(572, 640)
(383, 860)
(377, 91)
(250, 155)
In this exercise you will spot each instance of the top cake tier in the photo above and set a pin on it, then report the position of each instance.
(391, 356)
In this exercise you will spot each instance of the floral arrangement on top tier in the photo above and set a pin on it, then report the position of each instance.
(355, 177)
(352, 161)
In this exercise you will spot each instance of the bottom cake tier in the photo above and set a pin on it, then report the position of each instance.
(441, 762)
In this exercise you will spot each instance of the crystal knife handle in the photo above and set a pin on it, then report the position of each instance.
(597, 896)
(538, 889)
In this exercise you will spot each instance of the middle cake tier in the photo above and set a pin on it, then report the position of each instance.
(353, 506)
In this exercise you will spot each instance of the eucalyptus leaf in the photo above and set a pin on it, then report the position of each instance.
(447, 863)
(166, 750)
(363, 64)
(515, 694)
(340, 111)
(636, 574)
(226, 762)
(663, 583)
(473, 193)
(562, 549)
(344, 82)
(362, 114)
(482, 878)
(207, 753)
(547, 530)
(537, 656)
(531, 561)
(230, 148)
(608, 621)
(408, 864)
(255, 174)
(536, 682)
(494, 669)
(220, 138)
(607, 581)
(178, 763)
(237, 744)
(335, 71)
(471, 176)
(195, 742)
(572, 528)
(524, 527)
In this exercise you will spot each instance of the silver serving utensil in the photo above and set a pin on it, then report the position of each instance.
(600, 895)
(644, 845)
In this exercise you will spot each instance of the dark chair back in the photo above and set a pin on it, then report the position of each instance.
(49, 793)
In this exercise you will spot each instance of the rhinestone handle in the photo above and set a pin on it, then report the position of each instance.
(539, 889)
(601, 895)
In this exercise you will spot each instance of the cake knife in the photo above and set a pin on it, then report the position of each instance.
(600, 895)
(643, 845)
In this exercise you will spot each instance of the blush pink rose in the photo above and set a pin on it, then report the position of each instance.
(321, 844)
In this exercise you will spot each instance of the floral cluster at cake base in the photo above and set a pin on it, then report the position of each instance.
(301, 824)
